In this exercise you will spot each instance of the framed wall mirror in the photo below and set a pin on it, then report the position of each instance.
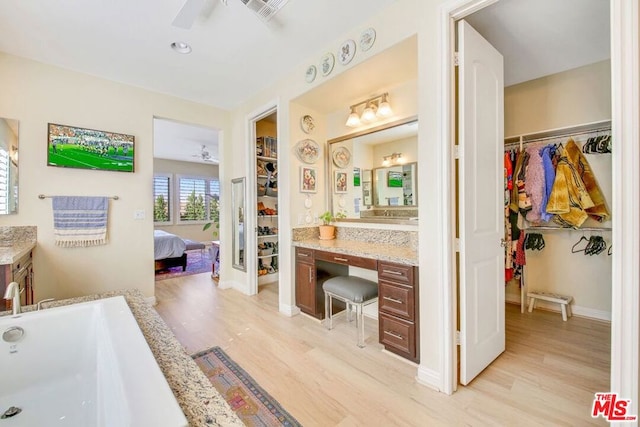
(381, 171)
(238, 223)
(8, 166)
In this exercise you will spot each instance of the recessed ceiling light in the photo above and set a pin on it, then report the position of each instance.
(181, 47)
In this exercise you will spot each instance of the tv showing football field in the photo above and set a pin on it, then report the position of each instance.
(73, 147)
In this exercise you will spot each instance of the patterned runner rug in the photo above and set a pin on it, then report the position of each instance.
(254, 406)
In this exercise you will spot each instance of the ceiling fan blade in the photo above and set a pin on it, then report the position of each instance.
(188, 14)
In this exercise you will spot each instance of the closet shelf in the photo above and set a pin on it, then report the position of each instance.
(271, 159)
(550, 228)
(602, 125)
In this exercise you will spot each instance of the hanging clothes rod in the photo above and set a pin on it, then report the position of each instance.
(548, 228)
(601, 126)
(42, 196)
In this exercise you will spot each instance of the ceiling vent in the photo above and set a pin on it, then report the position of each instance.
(265, 9)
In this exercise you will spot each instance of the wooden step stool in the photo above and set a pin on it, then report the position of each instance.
(563, 300)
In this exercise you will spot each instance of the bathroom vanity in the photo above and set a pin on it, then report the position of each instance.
(397, 272)
(16, 260)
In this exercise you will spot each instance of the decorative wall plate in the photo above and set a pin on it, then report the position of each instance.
(367, 38)
(307, 151)
(341, 157)
(347, 52)
(307, 123)
(310, 74)
(326, 63)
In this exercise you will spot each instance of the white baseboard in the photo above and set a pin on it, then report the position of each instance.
(577, 310)
(289, 310)
(429, 378)
(151, 300)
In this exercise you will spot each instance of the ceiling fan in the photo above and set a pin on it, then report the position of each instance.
(187, 15)
(204, 155)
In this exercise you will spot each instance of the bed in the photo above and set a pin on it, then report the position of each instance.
(168, 251)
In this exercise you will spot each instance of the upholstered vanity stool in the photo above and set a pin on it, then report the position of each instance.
(351, 290)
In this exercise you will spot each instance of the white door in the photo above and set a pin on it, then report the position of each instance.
(481, 139)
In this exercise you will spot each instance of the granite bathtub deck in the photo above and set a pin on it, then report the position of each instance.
(381, 252)
(199, 400)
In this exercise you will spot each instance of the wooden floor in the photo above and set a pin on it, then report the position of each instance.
(546, 377)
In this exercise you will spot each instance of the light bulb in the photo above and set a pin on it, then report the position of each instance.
(384, 109)
(353, 120)
(385, 162)
(369, 114)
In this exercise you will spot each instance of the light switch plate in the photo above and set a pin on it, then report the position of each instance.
(139, 214)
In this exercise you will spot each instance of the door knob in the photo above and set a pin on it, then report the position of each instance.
(503, 243)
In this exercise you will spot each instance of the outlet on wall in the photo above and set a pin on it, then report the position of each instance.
(139, 214)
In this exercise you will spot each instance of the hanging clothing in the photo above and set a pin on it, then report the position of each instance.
(534, 184)
(571, 200)
(549, 178)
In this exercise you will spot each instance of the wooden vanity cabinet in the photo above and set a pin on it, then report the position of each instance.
(21, 272)
(306, 282)
(397, 309)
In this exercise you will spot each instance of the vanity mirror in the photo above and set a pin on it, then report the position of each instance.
(8, 166)
(237, 223)
(380, 166)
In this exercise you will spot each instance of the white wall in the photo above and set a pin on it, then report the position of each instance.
(36, 94)
(573, 97)
(174, 167)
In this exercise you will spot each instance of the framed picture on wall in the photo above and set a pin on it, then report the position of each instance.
(340, 182)
(308, 179)
(73, 147)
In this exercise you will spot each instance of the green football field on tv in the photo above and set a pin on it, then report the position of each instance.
(82, 157)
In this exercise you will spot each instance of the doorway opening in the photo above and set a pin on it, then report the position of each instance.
(526, 122)
(263, 252)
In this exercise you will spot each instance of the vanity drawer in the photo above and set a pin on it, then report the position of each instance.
(398, 335)
(304, 254)
(396, 299)
(396, 272)
(355, 261)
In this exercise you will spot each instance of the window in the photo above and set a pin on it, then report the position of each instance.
(197, 198)
(4, 181)
(162, 199)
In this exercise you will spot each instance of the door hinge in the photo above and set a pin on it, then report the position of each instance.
(457, 151)
(456, 59)
(456, 244)
(457, 337)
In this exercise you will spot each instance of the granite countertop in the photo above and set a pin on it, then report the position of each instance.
(378, 251)
(11, 254)
(199, 400)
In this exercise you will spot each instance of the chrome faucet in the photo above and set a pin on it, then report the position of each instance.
(13, 292)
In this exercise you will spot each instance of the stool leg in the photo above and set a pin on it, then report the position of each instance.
(569, 313)
(563, 307)
(360, 324)
(327, 311)
(532, 303)
(349, 319)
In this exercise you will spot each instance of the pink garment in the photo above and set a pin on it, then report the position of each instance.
(534, 184)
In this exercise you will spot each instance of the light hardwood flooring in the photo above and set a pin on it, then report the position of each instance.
(547, 375)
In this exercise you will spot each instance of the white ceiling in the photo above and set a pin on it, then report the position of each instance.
(542, 37)
(189, 143)
(236, 55)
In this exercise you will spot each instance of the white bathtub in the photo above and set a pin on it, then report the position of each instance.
(83, 365)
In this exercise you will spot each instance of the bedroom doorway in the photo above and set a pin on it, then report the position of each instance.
(186, 194)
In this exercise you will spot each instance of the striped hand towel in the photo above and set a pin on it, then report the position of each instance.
(80, 221)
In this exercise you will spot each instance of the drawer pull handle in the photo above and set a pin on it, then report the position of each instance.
(397, 301)
(400, 337)
(310, 275)
(395, 273)
(303, 255)
(340, 259)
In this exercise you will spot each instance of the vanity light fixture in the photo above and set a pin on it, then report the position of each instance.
(375, 107)
(181, 47)
(393, 159)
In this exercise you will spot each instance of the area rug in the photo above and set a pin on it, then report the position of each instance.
(197, 262)
(254, 406)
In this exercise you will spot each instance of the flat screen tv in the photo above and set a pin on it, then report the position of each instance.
(73, 147)
(394, 179)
